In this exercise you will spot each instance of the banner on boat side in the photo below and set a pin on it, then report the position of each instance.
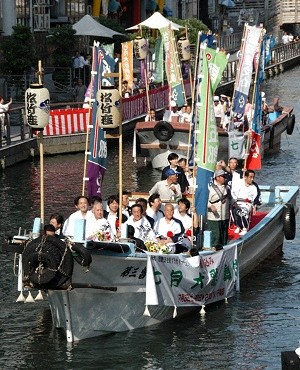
(205, 132)
(244, 77)
(97, 157)
(178, 280)
(127, 62)
(172, 64)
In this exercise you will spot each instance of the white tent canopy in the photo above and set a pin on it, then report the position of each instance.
(88, 26)
(157, 21)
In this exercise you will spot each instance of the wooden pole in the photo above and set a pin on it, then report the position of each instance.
(120, 155)
(147, 90)
(42, 176)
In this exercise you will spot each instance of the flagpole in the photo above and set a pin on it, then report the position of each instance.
(147, 90)
(120, 155)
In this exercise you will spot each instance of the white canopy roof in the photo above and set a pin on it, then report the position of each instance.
(88, 26)
(157, 21)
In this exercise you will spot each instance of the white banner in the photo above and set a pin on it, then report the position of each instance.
(178, 280)
(236, 145)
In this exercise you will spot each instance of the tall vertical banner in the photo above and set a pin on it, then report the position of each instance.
(254, 155)
(173, 70)
(245, 69)
(159, 60)
(127, 62)
(107, 65)
(96, 165)
(206, 133)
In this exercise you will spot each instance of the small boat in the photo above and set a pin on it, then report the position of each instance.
(110, 295)
(157, 139)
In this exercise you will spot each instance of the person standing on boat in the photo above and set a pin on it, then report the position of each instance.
(151, 116)
(170, 230)
(219, 112)
(233, 173)
(173, 164)
(112, 215)
(143, 202)
(244, 197)
(82, 205)
(142, 227)
(168, 189)
(218, 209)
(154, 210)
(126, 210)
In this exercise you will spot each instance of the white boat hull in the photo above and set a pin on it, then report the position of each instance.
(115, 293)
(158, 151)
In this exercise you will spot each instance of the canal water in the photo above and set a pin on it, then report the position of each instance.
(249, 332)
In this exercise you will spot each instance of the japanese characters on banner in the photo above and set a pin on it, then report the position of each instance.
(177, 280)
(127, 62)
(173, 70)
(244, 76)
(236, 145)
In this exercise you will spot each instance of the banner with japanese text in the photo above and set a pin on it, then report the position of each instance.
(206, 133)
(159, 61)
(97, 157)
(178, 280)
(236, 145)
(244, 75)
(173, 69)
(127, 62)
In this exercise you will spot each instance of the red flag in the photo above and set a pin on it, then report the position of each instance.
(254, 157)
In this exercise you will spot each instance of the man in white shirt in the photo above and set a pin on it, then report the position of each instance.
(168, 189)
(219, 112)
(243, 194)
(154, 210)
(81, 204)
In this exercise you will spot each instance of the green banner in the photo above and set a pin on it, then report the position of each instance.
(172, 66)
(159, 62)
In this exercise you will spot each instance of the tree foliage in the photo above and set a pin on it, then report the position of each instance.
(62, 40)
(18, 51)
(193, 26)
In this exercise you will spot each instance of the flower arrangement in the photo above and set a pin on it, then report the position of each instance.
(156, 247)
(102, 234)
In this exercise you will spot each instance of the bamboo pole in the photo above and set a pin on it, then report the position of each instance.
(120, 155)
(41, 148)
(147, 90)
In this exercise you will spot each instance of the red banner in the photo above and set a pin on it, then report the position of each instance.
(254, 157)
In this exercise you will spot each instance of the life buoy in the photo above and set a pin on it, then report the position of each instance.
(47, 263)
(289, 221)
(290, 124)
(81, 255)
(163, 131)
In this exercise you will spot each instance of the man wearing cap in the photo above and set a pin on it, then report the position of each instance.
(219, 112)
(173, 164)
(168, 189)
(218, 210)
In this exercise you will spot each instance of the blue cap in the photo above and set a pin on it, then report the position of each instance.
(170, 172)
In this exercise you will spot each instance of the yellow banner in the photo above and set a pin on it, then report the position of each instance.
(127, 62)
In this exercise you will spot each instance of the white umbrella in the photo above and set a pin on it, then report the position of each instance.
(88, 26)
(156, 21)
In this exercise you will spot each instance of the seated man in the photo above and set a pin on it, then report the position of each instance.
(244, 197)
(151, 116)
(143, 202)
(168, 189)
(97, 224)
(112, 215)
(170, 231)
(81, 204)
(142, 227)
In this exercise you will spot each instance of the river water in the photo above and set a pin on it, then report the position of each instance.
(249, 332)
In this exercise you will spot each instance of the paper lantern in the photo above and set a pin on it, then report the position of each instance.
(183, 47)
(140, 47)
(37, 106)
(109, 111)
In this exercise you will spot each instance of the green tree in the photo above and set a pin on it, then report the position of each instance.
(62, 40)
(193, 27)
(18, 51)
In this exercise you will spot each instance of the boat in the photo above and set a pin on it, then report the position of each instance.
(99, 287)
(110, 295)
(157, 139)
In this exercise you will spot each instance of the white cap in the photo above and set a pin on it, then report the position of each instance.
(173, 103)
(262, 94)
(216, 98)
